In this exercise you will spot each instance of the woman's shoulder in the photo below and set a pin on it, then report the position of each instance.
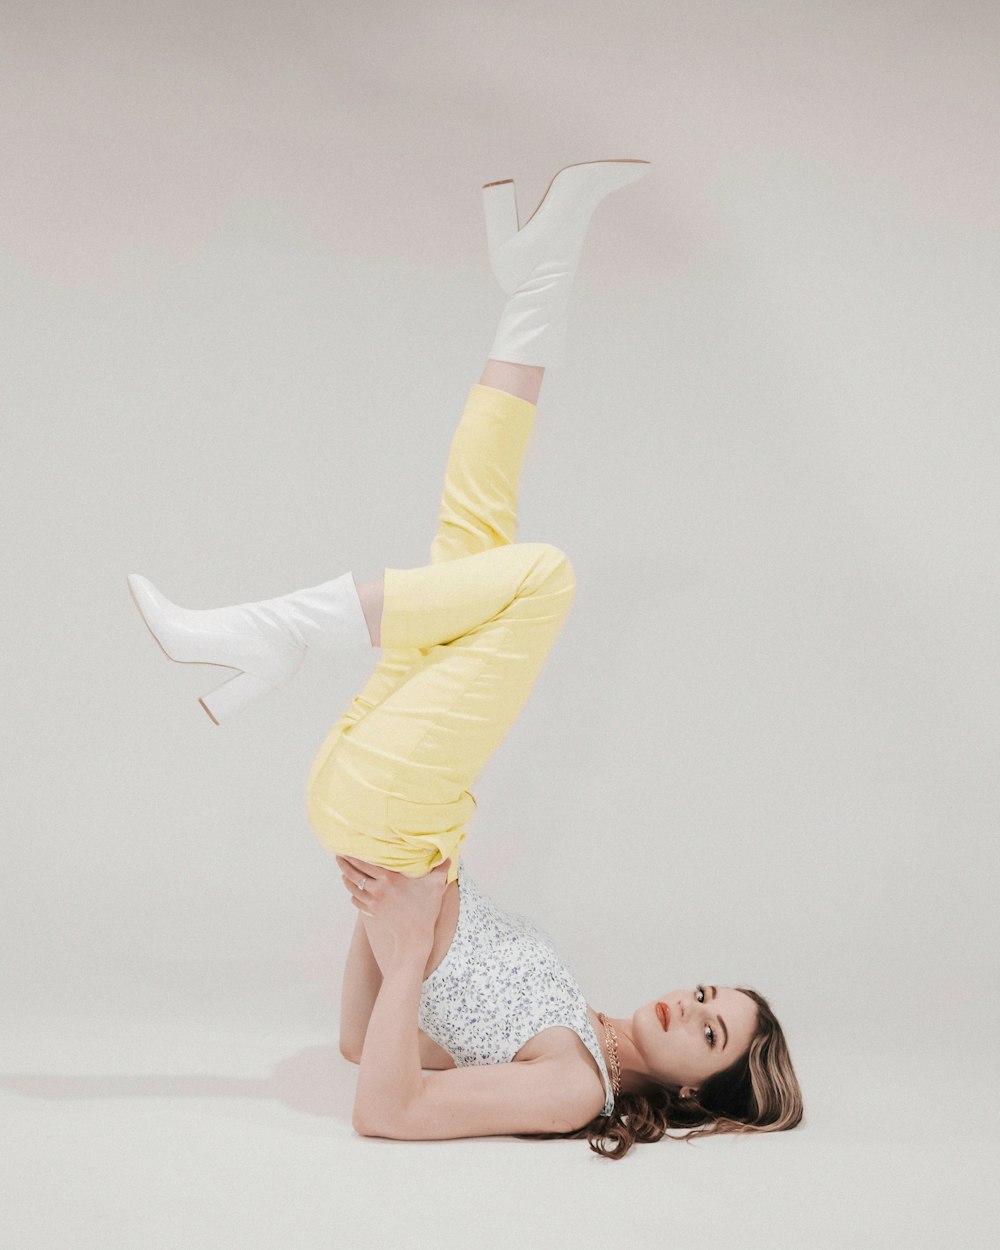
(561, 1045)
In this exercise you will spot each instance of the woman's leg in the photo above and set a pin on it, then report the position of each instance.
(478, 503)
(393, 787)
(521, 381)
(463, 641)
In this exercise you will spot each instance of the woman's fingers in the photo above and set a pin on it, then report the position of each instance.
(362, 899)
(358, 888)
(375, 872)
(362, 866)
(353, 876)
(371, 885)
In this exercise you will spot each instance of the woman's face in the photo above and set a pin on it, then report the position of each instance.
(688, 1035)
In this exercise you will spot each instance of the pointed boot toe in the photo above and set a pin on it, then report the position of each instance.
(265, 643)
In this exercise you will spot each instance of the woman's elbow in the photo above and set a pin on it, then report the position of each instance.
(350, 1050)
(363, 1127)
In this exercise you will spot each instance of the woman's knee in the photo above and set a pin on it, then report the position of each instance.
(551, 570)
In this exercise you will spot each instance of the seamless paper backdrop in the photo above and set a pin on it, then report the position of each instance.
(246, 291)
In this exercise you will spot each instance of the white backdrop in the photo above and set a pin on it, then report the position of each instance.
(246, 291)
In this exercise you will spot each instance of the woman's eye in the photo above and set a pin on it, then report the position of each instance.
(700, 993)
(710, 1034)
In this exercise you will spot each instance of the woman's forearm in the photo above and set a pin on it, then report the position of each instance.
(391, 1078)
(362, 981)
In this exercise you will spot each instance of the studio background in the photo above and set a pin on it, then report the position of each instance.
(246, 291)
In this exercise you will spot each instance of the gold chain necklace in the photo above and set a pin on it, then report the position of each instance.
(611, 1041)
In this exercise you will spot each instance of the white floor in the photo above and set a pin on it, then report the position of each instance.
(124, 1134)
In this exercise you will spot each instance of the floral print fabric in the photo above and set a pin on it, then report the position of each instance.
(499, 984)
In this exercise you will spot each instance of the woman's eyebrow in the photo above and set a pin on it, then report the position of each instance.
(722, 1023)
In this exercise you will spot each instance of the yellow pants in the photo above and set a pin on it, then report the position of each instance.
(463, 641)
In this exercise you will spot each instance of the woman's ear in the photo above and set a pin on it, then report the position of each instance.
(686, 1091)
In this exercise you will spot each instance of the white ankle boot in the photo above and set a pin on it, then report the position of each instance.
(266, 642)
(536, 263)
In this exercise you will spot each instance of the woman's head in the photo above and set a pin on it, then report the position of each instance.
(688, 1036)
(756, 1091)
(760, 1091)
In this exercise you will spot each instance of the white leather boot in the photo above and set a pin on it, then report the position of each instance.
(265, 642)
(536, 263)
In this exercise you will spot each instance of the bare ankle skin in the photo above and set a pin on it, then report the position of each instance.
(523, 381)
(372, 596)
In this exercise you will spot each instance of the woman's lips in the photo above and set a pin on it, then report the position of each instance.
(663, 1011)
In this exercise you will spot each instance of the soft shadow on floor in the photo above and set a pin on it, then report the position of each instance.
(316, 1080)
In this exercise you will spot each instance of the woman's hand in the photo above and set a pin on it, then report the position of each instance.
(408, 907)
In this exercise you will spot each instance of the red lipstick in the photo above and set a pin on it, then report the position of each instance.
(663, 1012)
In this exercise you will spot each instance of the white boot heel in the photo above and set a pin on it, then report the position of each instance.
(233, 696)
(265, 642)
(500, 206)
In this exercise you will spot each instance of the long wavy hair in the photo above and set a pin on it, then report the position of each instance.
(759, 1093)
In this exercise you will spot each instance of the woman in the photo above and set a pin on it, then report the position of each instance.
(514, 1046)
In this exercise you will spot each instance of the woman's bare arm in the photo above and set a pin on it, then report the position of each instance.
(362, 982)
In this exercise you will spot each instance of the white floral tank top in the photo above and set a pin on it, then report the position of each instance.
(499, 983)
